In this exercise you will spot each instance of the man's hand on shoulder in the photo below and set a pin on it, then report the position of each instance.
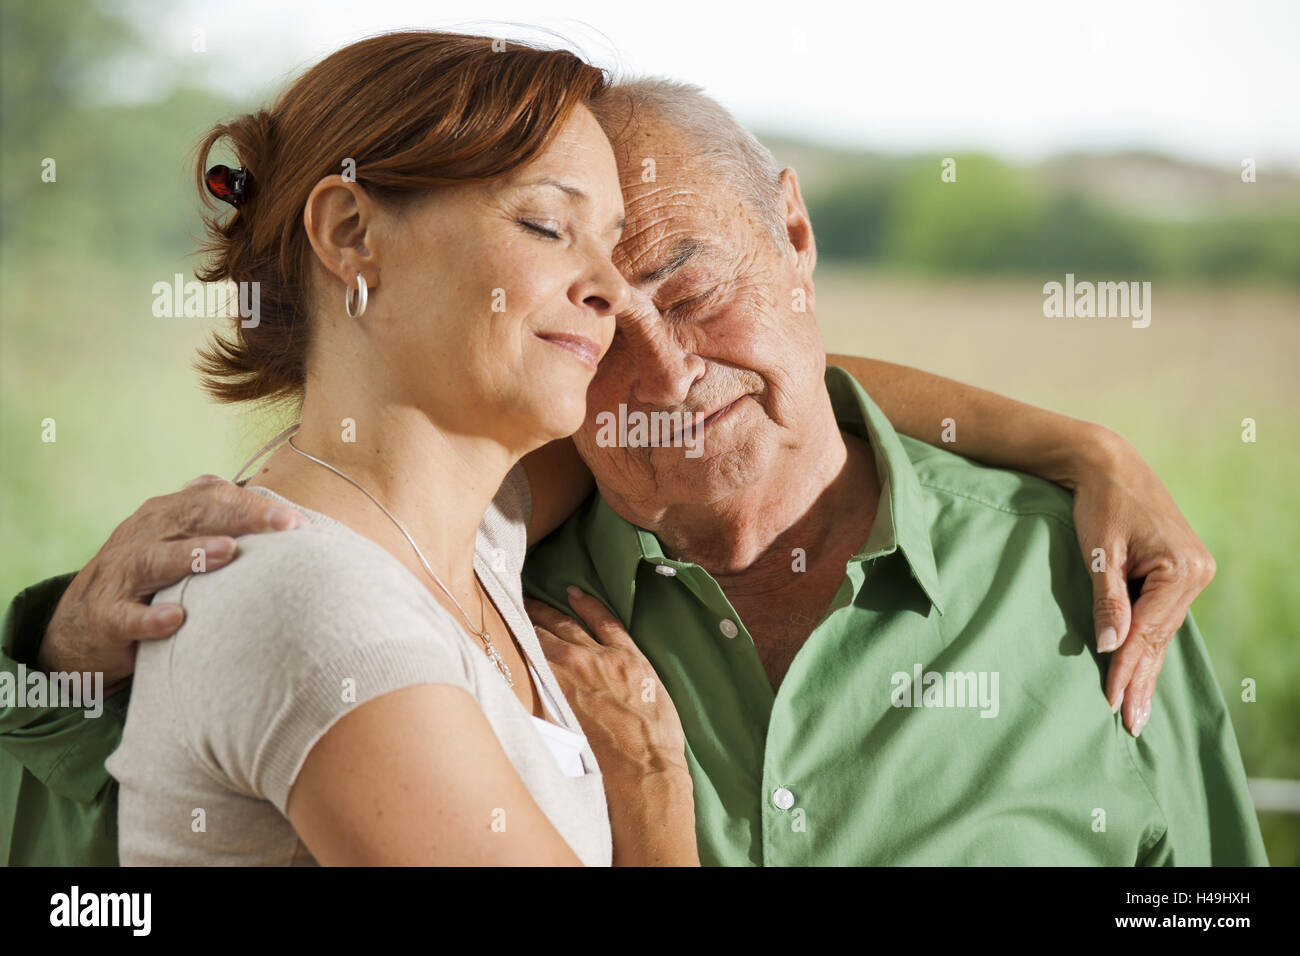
(106, 608)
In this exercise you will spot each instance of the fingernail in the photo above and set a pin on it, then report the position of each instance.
(1108, 640)
(573, 592)
(280, 519)
(1119, 701)
(218, 547)
(1143, 716)
(169, 615)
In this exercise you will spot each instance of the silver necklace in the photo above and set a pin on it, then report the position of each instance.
(493, 655)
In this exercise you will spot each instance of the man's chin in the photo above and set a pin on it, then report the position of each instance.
(706, 473)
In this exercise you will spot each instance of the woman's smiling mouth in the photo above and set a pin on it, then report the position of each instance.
(579, 346)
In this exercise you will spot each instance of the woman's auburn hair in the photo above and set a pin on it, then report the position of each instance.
(412, 111)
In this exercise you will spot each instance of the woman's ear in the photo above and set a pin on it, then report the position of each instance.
(340, 219)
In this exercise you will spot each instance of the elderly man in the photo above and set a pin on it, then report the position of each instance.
(878, 649)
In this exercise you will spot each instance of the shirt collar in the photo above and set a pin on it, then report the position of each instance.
(619, 548)
(902, 520)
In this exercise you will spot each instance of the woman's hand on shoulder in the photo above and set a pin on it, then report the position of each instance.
(1123, 509)
(628, 717)
(632, 726)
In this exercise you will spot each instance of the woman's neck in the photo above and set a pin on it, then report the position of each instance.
(436, 484)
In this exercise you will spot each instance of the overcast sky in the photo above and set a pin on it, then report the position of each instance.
(1215, 81)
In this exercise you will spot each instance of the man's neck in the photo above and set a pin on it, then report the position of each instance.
(820, 499)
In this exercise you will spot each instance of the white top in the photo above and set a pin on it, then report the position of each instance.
(565, 744)
(277, 646)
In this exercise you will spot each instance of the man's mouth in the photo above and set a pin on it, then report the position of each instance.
(579, 346)
(713, 417)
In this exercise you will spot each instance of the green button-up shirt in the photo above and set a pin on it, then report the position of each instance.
(947, 709)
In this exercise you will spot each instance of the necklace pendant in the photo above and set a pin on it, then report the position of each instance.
(495, 657)
(502, 668)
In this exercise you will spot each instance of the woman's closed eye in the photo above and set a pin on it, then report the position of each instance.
(538, 228)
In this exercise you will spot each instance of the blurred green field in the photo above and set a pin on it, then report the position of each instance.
(81, 346)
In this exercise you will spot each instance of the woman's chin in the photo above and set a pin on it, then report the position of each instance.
(558, 421)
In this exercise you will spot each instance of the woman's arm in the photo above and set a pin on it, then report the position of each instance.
(632, 726)
(988, 427)
(1120, 507)
(1043, 443)
(372, 793)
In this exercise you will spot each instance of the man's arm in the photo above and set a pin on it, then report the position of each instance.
(59, 746)
(106, 609)
(89, 623)
(58, 803)
(1120, 506)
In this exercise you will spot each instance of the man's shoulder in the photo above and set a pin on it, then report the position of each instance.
(971, 486)
(1009, 562)
(564, 558)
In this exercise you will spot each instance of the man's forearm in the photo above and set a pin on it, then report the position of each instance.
(1041, 442)
(60, 745)
(28, 616)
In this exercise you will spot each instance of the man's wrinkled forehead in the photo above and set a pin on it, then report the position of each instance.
(671, 203)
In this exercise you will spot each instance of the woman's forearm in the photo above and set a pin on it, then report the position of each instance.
(979, 424)
(651, 815)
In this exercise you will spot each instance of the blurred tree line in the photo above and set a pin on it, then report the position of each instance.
(123, 186)
(997, 217)
(125, 182)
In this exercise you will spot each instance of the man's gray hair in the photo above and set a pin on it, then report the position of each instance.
(711, 133)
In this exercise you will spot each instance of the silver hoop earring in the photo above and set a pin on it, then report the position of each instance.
(363, 295)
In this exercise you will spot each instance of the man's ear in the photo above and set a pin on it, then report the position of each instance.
(798, 227)
(340, 220)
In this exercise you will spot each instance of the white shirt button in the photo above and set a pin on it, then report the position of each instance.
(783, 798)
(728, 628)
(665, 570)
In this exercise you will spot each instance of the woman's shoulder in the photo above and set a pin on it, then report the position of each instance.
(293, 599)
(300, 628)
(301, 570)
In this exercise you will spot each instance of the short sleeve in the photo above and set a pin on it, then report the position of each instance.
(277, 646)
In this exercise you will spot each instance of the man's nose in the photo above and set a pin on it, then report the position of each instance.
(662, 370)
